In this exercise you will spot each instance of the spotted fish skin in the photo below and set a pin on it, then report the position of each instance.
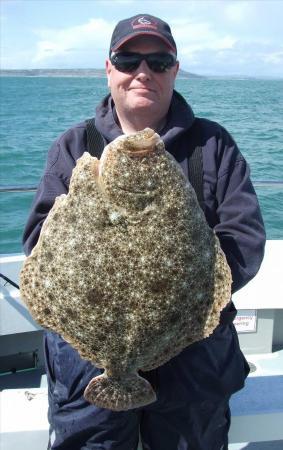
(126, 268)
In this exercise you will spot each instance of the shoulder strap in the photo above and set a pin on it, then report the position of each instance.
(95, 141)
(195, 165)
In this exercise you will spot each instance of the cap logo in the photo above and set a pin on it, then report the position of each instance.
(144, 22)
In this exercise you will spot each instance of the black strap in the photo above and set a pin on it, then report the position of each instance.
(95, 141)
(96, 144)
(195, 163)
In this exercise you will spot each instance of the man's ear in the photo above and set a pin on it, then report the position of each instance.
(176, 68)
(108, 68)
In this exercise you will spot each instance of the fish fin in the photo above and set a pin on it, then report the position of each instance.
(119, 394)
(95, 167)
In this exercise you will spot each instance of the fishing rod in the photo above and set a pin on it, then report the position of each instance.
(8, 280)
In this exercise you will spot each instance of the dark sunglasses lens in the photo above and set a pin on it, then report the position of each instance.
(157, 62)
(126, 62)
(160, 62)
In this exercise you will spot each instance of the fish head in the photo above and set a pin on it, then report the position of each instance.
(127, 169)
(139, 144)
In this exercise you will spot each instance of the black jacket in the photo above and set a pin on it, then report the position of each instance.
(230, 202)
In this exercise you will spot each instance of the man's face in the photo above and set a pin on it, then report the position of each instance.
(142, 91)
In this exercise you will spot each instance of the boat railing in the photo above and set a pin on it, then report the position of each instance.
(33, 188)
(4, 189)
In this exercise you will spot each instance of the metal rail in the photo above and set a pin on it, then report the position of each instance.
(268, 183)
(18, 188)
(258, 183)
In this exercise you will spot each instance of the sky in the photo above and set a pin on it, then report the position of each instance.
(214, 37)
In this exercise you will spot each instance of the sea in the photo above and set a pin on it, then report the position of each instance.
(35, 110)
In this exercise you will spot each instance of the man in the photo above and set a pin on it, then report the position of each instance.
(193, 389)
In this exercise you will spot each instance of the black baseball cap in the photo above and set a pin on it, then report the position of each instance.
(141, 24)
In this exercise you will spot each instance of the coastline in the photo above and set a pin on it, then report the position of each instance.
(94, 73)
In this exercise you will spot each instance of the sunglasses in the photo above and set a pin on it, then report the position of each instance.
(128, 61)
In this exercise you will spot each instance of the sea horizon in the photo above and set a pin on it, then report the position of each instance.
(100, 72)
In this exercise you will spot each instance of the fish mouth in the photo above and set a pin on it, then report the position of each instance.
(141, 143)
(141, 152)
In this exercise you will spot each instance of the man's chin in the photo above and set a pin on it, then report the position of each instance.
(143, 101)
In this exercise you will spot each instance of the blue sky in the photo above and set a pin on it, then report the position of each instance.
(226, 37)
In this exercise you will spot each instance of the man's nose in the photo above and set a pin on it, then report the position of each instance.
(143, 72)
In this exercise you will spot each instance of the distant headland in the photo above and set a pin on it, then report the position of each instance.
(95, 73)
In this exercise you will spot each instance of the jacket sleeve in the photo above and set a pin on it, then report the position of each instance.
(239, 225)
(49, 188)
(54, 182)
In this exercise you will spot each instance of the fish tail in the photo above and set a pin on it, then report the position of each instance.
(119, 393)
